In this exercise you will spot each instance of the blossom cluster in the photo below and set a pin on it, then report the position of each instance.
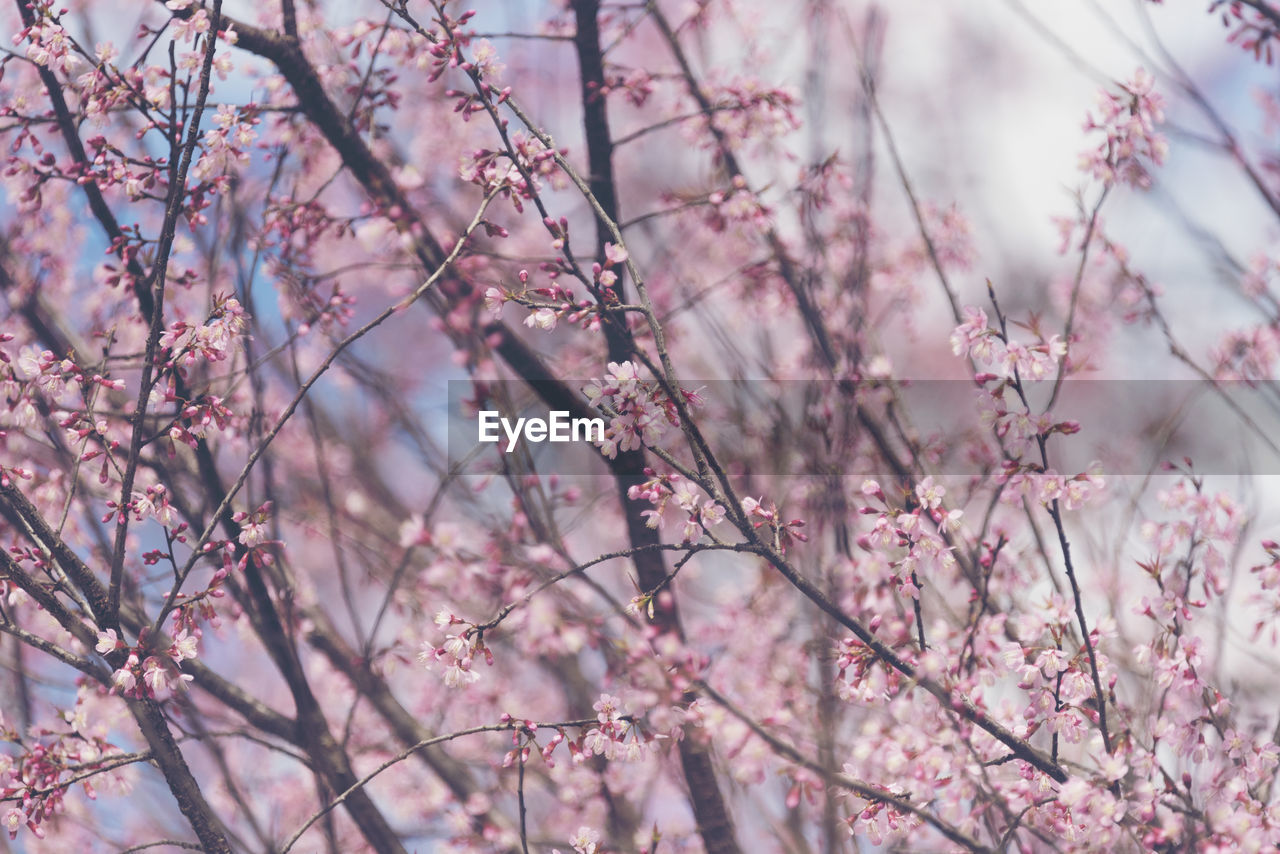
(49, 761)
(1127, 120)
(921, 533)
(749, 109)
(609, 737)
(155, 675)
(977, 340)
(225, 146)
(551, 303)
(210, 341)
(661, 491)
(1255, 27)
(639, 411)
(515, 174)
(974, 674)
(458, 651)
(38, 378)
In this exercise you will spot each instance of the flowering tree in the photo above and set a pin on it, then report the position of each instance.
(250, 581)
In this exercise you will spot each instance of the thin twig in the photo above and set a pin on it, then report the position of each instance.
(409, 751)
(159, 272)
(215, 519)
(863, 790)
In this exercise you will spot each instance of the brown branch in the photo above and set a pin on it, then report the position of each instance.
(957, 704)
(81, 772)
(26, 517)
(146, 713)
(71, 138)
(1264, 9)
(156, 287)
(1056, 514)
(715, 826)
(49, 648)
(328, 759)
(372, 174)
(177, 774)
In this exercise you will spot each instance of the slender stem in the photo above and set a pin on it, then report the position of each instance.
(156, 285)
(225, 504)
(524, 828)
(409, 751)
(1056, 514)
(863, 790)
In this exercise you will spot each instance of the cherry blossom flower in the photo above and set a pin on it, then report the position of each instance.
(585, 841)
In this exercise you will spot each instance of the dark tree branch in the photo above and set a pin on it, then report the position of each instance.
(714, 823)
(156, 287)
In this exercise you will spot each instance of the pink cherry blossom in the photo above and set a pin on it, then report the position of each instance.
(871, 552)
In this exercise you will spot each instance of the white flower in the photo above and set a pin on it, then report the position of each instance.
(184, 647)
(585, 841)
(107, 641)
(543, 318)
